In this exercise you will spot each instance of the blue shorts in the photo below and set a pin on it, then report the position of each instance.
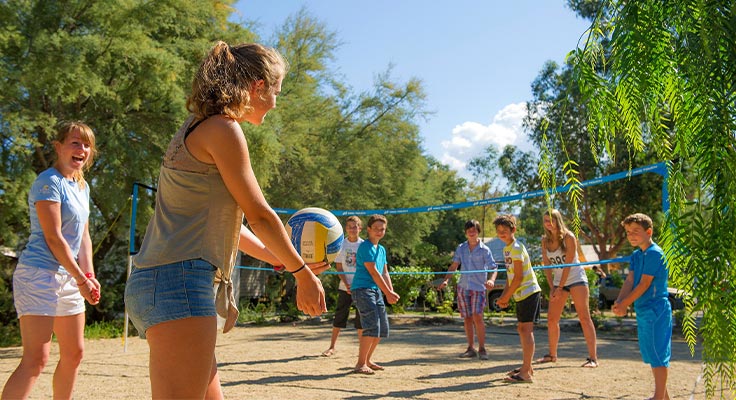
(372, 311)
(572, 285)
(470, 302)
(168, 292)
(654, 329)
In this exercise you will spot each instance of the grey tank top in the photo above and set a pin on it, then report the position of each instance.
(195, 217)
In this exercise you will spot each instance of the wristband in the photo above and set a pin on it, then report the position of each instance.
(298, 269)
(89, 275)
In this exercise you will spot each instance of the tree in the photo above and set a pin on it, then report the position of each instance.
(556, 121)
(485, 184)
(124, 68)
(661, 75)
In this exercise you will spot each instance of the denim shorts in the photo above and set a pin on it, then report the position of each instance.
(572, 285)
(372, 311)
(39, 291)
(168, 292)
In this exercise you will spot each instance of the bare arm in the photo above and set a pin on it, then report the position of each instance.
(453, 267)
(254, 247)
(547, 271)
(511, 287)
(343, 278)
(644, 283)
(386, 288)
(387, 278)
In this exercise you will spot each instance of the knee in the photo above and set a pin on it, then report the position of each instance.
(34, 365)
(73, 357)
(553, 319)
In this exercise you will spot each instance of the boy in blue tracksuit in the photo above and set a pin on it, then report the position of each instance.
(646, 288)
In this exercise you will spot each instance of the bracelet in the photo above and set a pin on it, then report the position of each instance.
(298, 269)
(89, 275)
(83, 282)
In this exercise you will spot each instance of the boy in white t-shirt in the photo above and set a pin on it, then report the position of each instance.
(345, 263)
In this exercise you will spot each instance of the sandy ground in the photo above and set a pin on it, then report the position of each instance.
(421, 359)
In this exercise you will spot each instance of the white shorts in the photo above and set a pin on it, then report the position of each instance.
(38, 291)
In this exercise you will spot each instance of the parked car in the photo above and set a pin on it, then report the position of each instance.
(608, 290)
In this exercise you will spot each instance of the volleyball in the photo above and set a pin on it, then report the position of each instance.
(316, 234)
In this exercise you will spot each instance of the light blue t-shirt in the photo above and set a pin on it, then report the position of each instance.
(478, 259)
(50, 185)
(650, 262)
(367, 252)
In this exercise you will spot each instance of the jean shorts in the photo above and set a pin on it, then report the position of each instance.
(169, 292)
(372, 311)
(39, 291)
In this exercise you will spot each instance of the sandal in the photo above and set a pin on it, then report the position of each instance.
(513, 371)
(363, 371)
(376, 367)
(590, 363)
(328, 353)
(546, 359)
(516, 378)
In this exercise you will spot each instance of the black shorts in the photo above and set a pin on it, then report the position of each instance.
(527, 310)
(342, 312)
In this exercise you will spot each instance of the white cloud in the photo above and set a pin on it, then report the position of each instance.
(469, 139)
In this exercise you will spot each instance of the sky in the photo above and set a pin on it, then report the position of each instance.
(476, 58)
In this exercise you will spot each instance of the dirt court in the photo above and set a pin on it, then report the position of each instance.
(421, 359)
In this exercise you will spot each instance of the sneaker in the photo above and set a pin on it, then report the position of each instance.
(482, 354)
(469, 353)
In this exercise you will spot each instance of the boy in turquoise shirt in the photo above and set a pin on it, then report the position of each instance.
(370, 283)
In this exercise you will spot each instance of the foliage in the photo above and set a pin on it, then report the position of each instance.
(556, 119)
(408, 282)
(660, 76)
(125, 66)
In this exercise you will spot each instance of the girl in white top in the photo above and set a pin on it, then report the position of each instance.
(559, 246)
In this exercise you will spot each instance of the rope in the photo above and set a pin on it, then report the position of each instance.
(539, 267)
(127, 203)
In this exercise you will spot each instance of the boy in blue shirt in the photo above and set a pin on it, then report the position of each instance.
(370, 283)
(473, 255)
(646, 288)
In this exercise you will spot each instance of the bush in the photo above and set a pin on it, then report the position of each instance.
(409, 283)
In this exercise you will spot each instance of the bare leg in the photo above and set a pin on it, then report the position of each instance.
(468, 325)
(526, 336)
(480, 330)
(214, 389)
(182, 353)
(367, 346)
(70, 335)
(660, 383)
(556, 304)
(35, 332)
(580, 295)
(333, 341)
